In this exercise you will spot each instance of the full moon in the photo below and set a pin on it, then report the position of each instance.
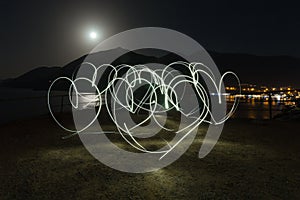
(93, 35)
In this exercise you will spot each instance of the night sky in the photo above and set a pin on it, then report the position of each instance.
(50, 33)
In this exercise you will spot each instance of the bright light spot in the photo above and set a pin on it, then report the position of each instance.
(166, 102)
(93, 35)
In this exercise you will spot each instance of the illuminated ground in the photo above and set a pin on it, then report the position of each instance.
(253, 159)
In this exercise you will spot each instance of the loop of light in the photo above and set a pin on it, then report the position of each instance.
(161, 81)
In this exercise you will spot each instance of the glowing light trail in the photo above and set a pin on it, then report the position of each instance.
(159, 81)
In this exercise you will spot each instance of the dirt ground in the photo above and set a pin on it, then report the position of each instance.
(252, 160)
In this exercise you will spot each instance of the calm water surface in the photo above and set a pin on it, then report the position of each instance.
(23, 103)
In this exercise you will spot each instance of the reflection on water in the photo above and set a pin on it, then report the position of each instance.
(22, 103)
(256, 110)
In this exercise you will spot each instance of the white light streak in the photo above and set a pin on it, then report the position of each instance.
(158, 83)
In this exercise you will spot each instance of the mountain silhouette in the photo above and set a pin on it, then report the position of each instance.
(261, 70)
(250, 68)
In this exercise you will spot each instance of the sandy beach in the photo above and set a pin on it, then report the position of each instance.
(253, 159)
